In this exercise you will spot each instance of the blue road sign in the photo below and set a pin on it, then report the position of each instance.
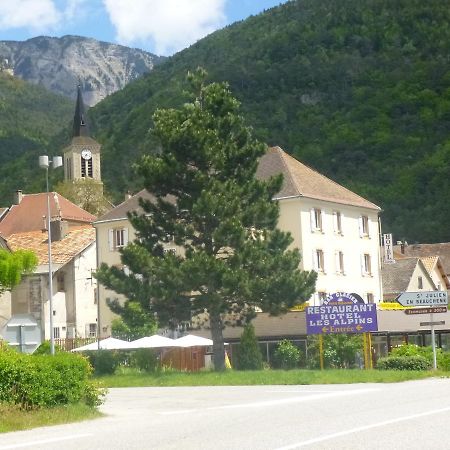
(341, 313)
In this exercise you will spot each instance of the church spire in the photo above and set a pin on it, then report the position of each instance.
(80, 126)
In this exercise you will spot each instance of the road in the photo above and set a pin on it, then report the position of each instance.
(410, 415)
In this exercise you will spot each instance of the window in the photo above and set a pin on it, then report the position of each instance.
(60, 282)
(171, 250)
(340, 262)
(419, 283)
(364, 226)
(92, 330)
(366, 266)
(337, 222)
(369, 297)
(321, 296)
(86, 167)
(118, 238)
(56, 333)
(316, 219)
(319, 263)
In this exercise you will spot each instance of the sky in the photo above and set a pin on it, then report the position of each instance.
(162, 27)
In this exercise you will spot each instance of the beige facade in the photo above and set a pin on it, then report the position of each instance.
(110, 237)
(332, 241)
(82, 159)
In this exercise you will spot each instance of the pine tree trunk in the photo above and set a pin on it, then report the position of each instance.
(217, 336)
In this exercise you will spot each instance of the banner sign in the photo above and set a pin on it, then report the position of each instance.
(388, 249)
(341, 313)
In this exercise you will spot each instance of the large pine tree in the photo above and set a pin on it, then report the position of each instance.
(232, 259)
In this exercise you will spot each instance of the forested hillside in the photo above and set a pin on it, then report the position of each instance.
(32, 123)
(358, 89)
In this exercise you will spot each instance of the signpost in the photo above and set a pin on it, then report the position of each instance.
(432, 310)
(423, 298)
(341, 313)
(431, 302)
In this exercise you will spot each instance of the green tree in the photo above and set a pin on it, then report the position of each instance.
(249, 356)
(232, 259)
(13, 265)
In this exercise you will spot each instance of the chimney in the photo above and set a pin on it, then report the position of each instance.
(402, 247)
(59, 228)
(18, 196)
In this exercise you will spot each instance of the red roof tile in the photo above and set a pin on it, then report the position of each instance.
(76, 240)
(29, 214)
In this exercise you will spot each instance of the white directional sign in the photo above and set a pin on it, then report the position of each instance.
(425, 298)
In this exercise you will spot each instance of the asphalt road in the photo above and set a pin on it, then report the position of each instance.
(411, 415)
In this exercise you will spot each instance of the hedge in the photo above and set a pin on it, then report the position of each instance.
(43, 380)
(416, 362)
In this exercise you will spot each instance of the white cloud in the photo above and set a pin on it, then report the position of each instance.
(34, 14)
(170, 24)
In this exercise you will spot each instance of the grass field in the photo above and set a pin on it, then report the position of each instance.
(14, 419)
(132, 378)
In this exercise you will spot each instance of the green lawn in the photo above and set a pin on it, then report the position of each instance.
(15, 419)
(132, 378)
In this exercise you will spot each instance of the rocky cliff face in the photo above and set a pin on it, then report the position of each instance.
(59, 64)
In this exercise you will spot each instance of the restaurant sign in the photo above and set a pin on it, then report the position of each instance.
(341, 313)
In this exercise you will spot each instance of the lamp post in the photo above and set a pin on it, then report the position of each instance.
(44, 163)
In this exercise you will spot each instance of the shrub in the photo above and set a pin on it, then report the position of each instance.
(287, 355)
(415, 362)
(249, 355)
(104, 362)
(42, 380)
(442, 358)
(145, 359)
(45, 349)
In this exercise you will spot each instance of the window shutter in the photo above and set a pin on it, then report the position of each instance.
(314, 260)
(111, 238)
(363, 272)
(337, 262)
(335, 222)
(313, 220)
(360, 222)
(125, 236)
(342, 224)
(321, 220)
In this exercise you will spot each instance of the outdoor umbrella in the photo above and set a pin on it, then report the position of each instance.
(193, 341)
(154, 341)
(105, 344)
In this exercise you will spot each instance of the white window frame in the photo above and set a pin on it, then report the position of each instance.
(118, 238)
(364, 228)
(316, 220)
(319, 260)
(366, 264)
(340, 264)
(56, 333)
(370, 298)
(321, 297)
(337, 223)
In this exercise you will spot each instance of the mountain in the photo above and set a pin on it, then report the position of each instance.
(358, 89)
(59, 63)
(33, 122)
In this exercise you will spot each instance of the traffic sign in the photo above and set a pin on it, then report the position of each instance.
(429, 324)
(432, 310)
(424, 298)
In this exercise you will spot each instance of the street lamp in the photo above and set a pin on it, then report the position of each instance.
(44, 163)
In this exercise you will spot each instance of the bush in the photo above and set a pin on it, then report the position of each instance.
(45, 349)
(104, 362)
(42, 380)
(286, 356)
(415, 362)
(145, 359)
(249, 355)
(442, 358)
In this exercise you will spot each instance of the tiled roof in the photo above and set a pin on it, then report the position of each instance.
(29, 214)
(423, 250)
(396, 277)
(302, 181)
(129, 205)
(76, 240)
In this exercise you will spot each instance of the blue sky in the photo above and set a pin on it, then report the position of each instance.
(158, 26)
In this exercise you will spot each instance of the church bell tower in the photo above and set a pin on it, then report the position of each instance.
(82, 157)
